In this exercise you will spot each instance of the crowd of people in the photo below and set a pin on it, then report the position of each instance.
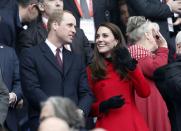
(98, 65)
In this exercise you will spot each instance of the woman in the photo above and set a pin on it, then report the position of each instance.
(113, 76)
(149, 48)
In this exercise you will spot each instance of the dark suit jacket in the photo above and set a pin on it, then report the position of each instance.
(155, 11)
(42, 77)
(37, 34)
(103, 10)
(9, 23)
(4, 101)
(10, 73)
(168, 81)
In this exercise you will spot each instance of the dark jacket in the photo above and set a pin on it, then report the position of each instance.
(168, 81)
(9, 66)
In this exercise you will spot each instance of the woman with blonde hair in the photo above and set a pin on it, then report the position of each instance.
(149, 48)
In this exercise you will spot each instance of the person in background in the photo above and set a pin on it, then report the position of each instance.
(13, 13)
(49, 69)
(54, 124)
(168, 80)
(149, 48)
(113, 76)
(64, 109)
(9, 66)
(90, 14)
(124, 15)
(158, 11)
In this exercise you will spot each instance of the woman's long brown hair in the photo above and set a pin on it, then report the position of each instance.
(98, 67)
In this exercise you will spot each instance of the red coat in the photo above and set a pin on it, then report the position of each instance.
(153, 108)
(126, 118)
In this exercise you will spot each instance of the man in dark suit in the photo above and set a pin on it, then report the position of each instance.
(9, 66)
(12, 14)
(37, 32)
(47, 72)
(103, 10)
(90, 14)
(157, 11)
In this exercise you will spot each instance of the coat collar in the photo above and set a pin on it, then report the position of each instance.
(67, 58)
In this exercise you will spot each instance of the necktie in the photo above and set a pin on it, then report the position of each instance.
(59, 60)
(85, 9)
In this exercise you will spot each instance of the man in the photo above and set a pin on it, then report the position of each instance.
(37, 33)
(95, 13)
(157, 11)
(12, 15)
(47, 71)
(9, 67)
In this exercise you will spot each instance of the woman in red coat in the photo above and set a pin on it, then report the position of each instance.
(150, 50)
(113, 77)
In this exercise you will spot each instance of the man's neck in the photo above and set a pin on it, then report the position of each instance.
(54, 40)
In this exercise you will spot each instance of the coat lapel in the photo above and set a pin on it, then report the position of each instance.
(67, 60)
(50, 56)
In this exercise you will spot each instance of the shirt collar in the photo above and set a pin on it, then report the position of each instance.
(52, 46)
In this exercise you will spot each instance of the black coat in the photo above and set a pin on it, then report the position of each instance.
(168, 81)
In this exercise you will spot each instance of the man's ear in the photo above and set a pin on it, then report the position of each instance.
(41, 7)
(54, 25)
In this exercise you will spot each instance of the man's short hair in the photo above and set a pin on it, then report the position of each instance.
(55, 17)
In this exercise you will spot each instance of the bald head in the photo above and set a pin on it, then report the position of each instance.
(53, 124)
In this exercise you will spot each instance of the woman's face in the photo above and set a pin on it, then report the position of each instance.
(105, 41)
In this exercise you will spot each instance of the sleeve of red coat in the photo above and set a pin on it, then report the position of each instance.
(140, 84)
(150, 64)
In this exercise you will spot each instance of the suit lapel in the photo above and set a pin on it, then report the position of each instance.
(50, 56)
(67, 60)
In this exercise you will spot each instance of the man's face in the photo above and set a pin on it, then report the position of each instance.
(50, 6)
(66, 29)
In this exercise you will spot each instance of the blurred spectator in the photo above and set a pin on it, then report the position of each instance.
(150, 50)
(97, 12)
(12, 15)
(54, 124)
(178, 43)
(37, 32)
(124, 15)
(157, 11)
(9, 66)
(64, 109)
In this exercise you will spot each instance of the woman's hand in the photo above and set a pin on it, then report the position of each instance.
(160, 40)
